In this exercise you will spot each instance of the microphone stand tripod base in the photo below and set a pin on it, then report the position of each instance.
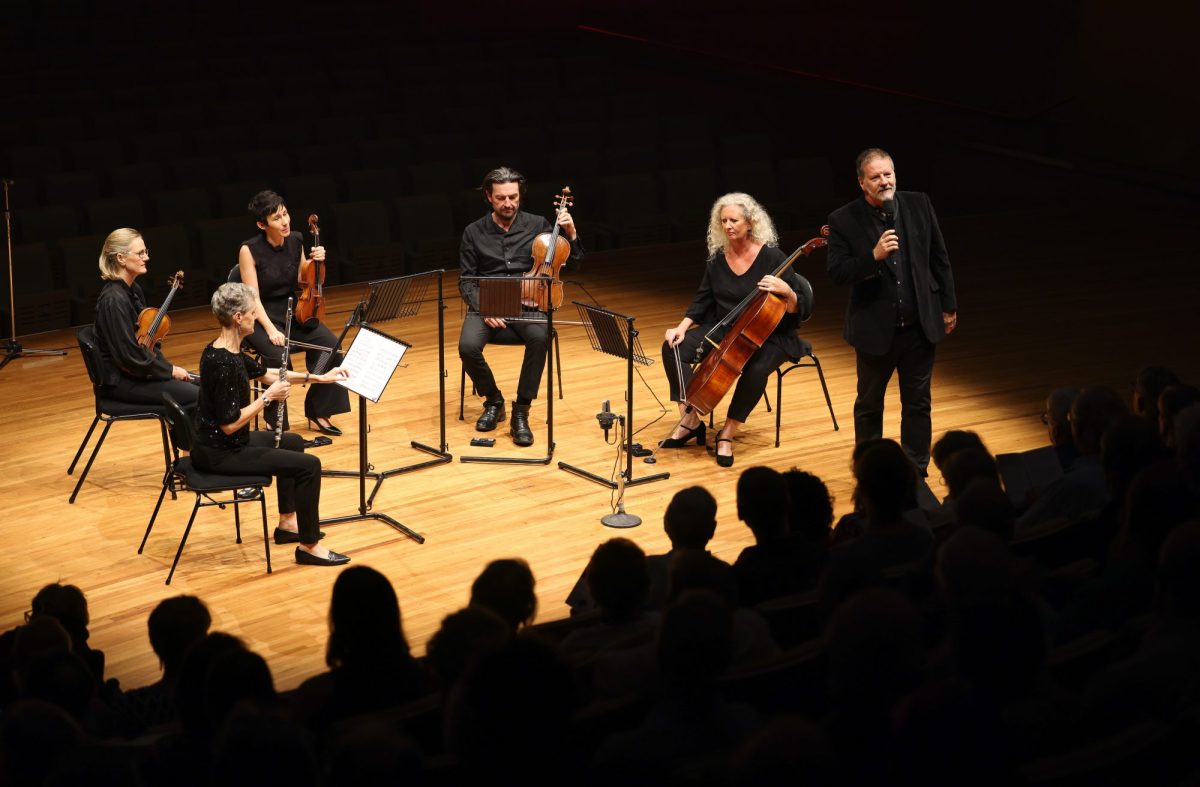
(621, 519)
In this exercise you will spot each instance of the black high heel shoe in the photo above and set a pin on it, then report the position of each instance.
(330, 430)
(724, 461)
(679, 442)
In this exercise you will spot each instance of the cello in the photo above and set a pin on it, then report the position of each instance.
(550, 253)
(310, 307)
(154, 324)
(749, 323)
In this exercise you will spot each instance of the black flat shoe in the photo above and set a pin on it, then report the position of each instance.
(288, 537)
(313, 423)
(493, 413)
(308, 559)
(697, 432)
(724, 461)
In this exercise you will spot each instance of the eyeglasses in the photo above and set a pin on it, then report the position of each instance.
(144, 254)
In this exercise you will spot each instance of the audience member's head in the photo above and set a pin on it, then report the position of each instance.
(951, 443)
(1171, 402)
(811, 514)
(464, 638)
(35, 736)
(695, 639)
(1147, 387)
(1093, 411)
(371, 754)
(237, 678)
(618, 579)
(191, 689)
(364, 620)
(1057, 415)
(967, 465)
(68, 605)
(509, 717)
(983, 504)
(762, 503)
(1000, 646)
(786, 747)
(1129, 446)
(1187, 446)
(247, 735)
(691, 518)
(700, 571)
(856, 455)
(875, 650)
(1179, 570)
(60, 677)
(506, 588)
(1158, 500)
(886, 482)
(38, 636)
(175, 625)
(973, 565)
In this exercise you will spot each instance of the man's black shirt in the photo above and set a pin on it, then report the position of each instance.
(487, 250)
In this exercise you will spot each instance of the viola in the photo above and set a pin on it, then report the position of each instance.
(310, 308)
(154, 324)
(753, 320)
(550, 253)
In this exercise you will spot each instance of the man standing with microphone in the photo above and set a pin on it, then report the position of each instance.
(888, 248)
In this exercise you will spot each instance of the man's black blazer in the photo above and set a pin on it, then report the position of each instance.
(871, 313)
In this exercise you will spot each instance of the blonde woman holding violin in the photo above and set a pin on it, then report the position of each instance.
(270, 264)
(132, 372)
(743, 255)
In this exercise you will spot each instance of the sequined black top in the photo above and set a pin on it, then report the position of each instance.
(278, 269)
(224, 390)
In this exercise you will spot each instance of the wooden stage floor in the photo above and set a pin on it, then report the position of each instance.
(1050, 296)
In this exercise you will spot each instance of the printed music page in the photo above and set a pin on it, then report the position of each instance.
(371, 362)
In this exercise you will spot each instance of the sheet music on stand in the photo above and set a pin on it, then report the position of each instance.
(371, 361)
(607, 332)
(507, 297)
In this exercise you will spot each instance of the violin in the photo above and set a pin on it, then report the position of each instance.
(154, 324)
(753, 320)
(310, 308)
(550, 253)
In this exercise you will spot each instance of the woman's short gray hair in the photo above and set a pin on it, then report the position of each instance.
(229, 299)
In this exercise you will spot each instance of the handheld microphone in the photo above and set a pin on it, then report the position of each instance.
(888, 208)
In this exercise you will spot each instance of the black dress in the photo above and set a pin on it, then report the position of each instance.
(278, 269)
(224, 390)
(720, 291)
(131, 372)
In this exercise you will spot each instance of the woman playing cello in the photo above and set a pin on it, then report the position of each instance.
(743, 253)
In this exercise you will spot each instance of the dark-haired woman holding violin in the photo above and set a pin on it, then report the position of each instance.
(271, 264)
(743, 255)
(133, 372)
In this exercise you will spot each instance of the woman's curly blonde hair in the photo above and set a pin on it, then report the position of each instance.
(762, 228)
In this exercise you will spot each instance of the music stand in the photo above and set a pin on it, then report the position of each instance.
(613, 334)
(501, 297)
(371, 361)
(390, 299)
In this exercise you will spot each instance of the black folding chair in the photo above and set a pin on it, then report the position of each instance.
(183, 475)
(108, 410)
(806, 352)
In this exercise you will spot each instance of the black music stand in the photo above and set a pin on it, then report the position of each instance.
(501, 297)
(613, 334)
(380, 355)
(391, 299)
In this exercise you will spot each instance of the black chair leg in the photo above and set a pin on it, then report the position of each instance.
(162, 422)
(153, 517)
(825, 388)
(778, 404)
(237, 517)
(86, 437)
(182, 541)
(92, 458)
(262, 499)
(462, 392)
(558, 365)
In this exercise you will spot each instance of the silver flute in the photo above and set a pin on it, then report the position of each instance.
(283, 367)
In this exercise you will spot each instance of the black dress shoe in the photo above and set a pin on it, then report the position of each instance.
(724, 461)
(308, 559)
(697, 432)
(519, 428)
(330, 430)
(288, 537)
(493, 413)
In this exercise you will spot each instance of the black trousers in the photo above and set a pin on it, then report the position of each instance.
(321, 401)
(475, 334)
(297, 474)
(750, 385)
(134, 391)
(911, 355)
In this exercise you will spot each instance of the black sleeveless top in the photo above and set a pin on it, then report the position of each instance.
(278, 270)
